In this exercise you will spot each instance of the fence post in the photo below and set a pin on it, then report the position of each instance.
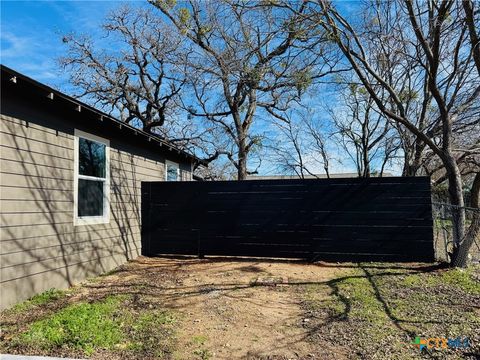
(146, 218)
(149, 219)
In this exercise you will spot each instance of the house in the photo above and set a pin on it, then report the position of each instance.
(70, 187)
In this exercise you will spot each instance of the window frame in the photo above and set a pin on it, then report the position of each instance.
(177, 165)
(91, 220)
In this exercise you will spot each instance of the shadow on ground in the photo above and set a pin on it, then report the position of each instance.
(267, 309)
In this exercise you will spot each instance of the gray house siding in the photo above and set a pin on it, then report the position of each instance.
(40, 246)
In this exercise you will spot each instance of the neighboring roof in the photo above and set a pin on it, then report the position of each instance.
(55, 95)
(316, 176)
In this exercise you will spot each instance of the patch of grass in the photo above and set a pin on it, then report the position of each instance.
(39, 299)
(203, 354)
(462, 278)
(83, 326)
(199, 339)
(151, 331)
(109, 324)
(413, 280)
(357, 291)
(459, 278)
(384, 309)
(318, 298)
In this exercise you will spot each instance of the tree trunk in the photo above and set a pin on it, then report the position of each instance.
(242, 169)
(366, 163)
(407, 166)
(417, 157)
(460, 255)
(411, 168)
(455, 193)
(242, 160)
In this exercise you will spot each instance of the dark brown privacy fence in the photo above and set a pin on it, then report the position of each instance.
(384, 219)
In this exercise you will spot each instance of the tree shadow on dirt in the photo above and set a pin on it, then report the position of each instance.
(160, 282)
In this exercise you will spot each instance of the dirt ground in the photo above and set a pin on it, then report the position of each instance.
(274, 309)
(242, 308)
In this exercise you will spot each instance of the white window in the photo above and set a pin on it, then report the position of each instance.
(172, 171)
(92, 179)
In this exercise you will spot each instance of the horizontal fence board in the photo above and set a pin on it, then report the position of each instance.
(384, 219)
(331, 234)
(408, 205)
(282, 221)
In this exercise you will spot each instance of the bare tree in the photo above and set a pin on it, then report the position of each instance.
(248, 58)
(288, 149)
(217, 170)
(443, 58)
(364, 133)
(299, 144)
(319, 144)
(140, 80)
(472, 16)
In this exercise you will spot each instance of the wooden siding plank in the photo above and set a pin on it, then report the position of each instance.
(11, 153)
(53, 218)
(36, 190)
(23, 254)
(31, 268)
(48, 235)
(14, 126)
(41, 205)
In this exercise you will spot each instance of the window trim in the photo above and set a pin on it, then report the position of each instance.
(91, 220)
(177, 165)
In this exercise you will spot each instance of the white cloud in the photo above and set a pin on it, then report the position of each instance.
(12, 45)
(29, 55)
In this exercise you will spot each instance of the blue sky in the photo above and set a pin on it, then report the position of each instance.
(31, 34)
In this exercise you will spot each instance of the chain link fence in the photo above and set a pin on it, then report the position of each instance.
(443, 233)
